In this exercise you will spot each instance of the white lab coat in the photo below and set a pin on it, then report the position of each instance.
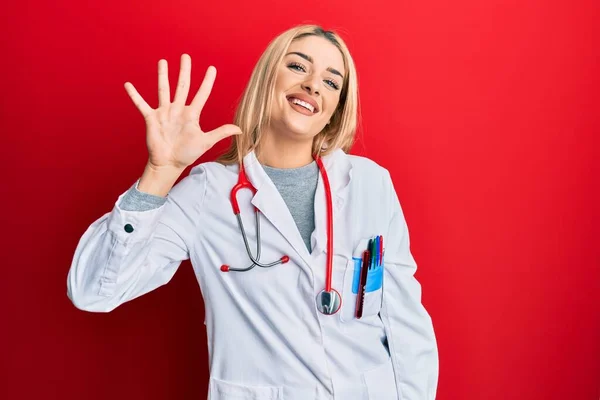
(266, 338)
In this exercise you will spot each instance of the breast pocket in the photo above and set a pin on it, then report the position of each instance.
(373, 291)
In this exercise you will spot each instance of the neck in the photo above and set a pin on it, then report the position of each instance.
(284, 153)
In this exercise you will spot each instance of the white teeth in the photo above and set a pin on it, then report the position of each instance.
(304, 104)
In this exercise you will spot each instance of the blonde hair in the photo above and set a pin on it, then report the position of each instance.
(254, 110)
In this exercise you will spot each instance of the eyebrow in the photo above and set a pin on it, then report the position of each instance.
(309, 59)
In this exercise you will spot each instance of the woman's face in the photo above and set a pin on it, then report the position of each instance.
(307, 88)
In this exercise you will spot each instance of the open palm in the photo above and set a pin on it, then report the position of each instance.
(173, 134)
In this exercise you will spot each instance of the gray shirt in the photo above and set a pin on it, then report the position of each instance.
(297, 187)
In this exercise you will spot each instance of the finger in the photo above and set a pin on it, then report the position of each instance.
(222, 132)
(202, 95)
(139, 102)
(164, 92)
(183, 85)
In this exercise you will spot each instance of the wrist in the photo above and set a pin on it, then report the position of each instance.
(158, 180)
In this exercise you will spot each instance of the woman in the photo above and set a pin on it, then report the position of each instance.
(286, 325)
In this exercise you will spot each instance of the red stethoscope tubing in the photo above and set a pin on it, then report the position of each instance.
(329, 224)
(243, 183)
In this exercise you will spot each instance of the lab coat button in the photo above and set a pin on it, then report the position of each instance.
(128, 228)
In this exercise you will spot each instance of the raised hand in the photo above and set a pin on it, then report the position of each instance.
(173, 134)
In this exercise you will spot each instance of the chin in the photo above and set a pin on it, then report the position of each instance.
(298, 128)
(303, 134)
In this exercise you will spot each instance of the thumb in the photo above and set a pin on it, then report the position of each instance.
(224, 131)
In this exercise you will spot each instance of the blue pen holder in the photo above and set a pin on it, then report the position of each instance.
(374, 276)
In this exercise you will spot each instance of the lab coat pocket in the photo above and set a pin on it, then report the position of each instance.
(373, 290)
(380, 382)
(224, 390)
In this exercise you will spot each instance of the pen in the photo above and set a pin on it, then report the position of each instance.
(360, 297)
(371, 254)
(377, 252)
(381, 250)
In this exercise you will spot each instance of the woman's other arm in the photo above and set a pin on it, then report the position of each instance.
(409, 328)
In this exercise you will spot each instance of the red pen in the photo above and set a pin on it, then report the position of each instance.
(380, 249)
(362, 284)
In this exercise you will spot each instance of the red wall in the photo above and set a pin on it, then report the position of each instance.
(485, 112)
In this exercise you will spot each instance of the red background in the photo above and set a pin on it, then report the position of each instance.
(485, 112)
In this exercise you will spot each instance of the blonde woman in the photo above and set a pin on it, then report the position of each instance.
(305, 268)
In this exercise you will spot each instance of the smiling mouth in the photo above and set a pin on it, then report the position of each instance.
(302, 106)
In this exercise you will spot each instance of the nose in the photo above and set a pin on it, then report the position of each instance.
(311, 85)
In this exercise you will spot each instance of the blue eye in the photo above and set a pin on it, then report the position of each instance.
(333, 84)
(297, 67)
(300, 66)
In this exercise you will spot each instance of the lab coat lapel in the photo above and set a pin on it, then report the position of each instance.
(268, 200)
(270, 203)
(339, 171)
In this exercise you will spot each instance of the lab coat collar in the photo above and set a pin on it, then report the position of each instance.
(268, 200)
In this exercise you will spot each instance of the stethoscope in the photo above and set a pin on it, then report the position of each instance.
(328, 300)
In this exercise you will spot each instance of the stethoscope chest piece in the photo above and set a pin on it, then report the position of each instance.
(329, 303)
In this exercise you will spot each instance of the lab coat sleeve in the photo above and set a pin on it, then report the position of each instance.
(125, 253)
(409, 329)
